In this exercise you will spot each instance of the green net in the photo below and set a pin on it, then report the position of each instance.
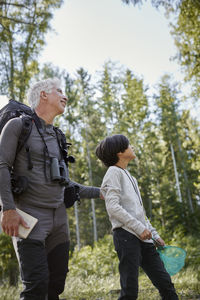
(173, 258)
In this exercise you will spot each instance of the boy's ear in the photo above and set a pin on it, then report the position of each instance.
(119, 154)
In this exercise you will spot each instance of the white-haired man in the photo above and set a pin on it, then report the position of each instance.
(43, 256)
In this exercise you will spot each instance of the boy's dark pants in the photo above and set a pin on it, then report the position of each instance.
(133, 253)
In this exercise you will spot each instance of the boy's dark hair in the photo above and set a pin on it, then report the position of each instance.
(107, 150)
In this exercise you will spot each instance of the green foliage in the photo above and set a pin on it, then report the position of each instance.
(22, 29)
(8, 292)
(98, 260)
(186, 32)
(185, 27)
(173, 131)
(8, 261)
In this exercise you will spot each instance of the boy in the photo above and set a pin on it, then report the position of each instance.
(132, 231)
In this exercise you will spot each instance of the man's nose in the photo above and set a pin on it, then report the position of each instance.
(65, 98)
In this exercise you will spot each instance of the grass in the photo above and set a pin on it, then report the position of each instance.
(96, 288)
(94, 276)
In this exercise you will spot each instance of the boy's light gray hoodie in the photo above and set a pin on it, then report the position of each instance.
(124, 203)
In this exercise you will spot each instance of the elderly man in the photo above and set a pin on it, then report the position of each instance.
(43, 256)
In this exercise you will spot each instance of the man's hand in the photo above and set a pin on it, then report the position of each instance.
(10, 222)
(145, 235)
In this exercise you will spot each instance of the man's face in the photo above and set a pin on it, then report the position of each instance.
(56, 100)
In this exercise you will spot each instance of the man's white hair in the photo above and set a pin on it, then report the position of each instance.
(41, 86)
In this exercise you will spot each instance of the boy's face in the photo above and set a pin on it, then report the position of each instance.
(128, 154)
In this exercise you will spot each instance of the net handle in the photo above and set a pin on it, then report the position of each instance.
(158, 243)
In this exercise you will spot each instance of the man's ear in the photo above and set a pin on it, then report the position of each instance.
(43, 95)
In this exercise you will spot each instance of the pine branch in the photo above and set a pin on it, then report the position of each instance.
(13, 4)
(15, 20)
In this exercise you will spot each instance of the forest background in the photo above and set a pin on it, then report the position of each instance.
(165, 135)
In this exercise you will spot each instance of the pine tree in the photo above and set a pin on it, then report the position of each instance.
(172, 132)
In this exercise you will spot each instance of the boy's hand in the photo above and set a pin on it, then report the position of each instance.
(145, 235)
(160, 242)
(101, 196)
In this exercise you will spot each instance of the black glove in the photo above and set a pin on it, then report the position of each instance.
(71, 194)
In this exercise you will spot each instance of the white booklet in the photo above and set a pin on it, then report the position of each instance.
(30, 220)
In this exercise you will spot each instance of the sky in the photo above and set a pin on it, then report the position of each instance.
(87, 33)
(91, 32)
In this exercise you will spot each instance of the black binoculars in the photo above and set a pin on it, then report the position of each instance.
(59, 171)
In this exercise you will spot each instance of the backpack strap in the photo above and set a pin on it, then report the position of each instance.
(27, 123)
(63, 146)
(61, 142)
(38, 125)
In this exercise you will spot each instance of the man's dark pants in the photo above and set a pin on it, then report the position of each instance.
(42, 274)
(43, 256)
(132, 253)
